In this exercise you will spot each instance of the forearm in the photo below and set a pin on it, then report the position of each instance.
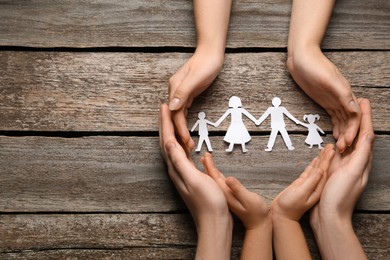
(289, 240)
(214, 238)
(258, 243)
(309, 21)
(211, 23)
(337, 240)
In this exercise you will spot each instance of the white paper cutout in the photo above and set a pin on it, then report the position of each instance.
(277, 123)
(203, 132)
(313, 137)
(237, 132)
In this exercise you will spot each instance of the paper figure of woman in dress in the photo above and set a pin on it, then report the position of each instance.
(277, 114)
(202, 122)
(313, 137)
(237, 132)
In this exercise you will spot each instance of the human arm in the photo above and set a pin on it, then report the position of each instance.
(252, 210)
(331, 219)
(289, 206)
(315, 74)
(196, 75)
(202, 195)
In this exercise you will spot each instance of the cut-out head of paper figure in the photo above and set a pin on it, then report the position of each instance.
(276, 102)
(201, 115)
(311, 118)
(235, 102)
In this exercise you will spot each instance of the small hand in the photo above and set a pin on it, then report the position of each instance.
(252, 209)
(305, 191)
(189, 81)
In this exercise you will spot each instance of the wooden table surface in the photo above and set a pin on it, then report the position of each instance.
(81, 174)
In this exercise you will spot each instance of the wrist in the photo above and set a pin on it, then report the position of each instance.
(214, 237)
(212, 51)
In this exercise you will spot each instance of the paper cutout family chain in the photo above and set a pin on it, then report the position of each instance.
(238, 134)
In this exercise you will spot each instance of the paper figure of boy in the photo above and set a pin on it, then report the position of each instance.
(237, 132)
(277, 123)
(203, 132)
(313, 137)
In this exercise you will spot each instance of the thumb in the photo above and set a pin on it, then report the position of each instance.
(179, 97)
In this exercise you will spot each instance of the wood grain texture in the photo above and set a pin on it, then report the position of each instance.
(355, 24)
(127, 174)
(142, 236)
(64, 91)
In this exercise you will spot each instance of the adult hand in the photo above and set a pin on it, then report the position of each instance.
(211, 24)
(348, 176)
(203, 197)
(189, 81)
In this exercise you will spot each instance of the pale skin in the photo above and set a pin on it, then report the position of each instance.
(347, 178)
(252, 210)
(290, 205)
(335, 180)
(209, 207)
(196, 75)
(286, 210)
(317, 76)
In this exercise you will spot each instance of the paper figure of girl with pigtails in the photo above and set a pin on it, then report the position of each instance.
(313, 137)
(237, 132)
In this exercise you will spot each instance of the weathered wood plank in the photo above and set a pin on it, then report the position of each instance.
(260, 23)
(127, 174)
(142, 236)
(61, 91)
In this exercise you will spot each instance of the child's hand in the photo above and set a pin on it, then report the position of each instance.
(189, 81)
(305, 191)
(252, 209)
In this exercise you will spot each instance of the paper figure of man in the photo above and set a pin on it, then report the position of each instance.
(202, 122)
(237, 132)
(277, 114)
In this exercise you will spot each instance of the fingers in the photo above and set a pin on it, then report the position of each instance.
(364, 145)
(180, 121)
(166, 130)
(366, 121)
(313, 185)
(210, 168)
(326, 157)
(354, 119)
(180, 167)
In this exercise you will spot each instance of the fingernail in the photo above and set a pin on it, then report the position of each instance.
(174, 104)
(354, 106)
